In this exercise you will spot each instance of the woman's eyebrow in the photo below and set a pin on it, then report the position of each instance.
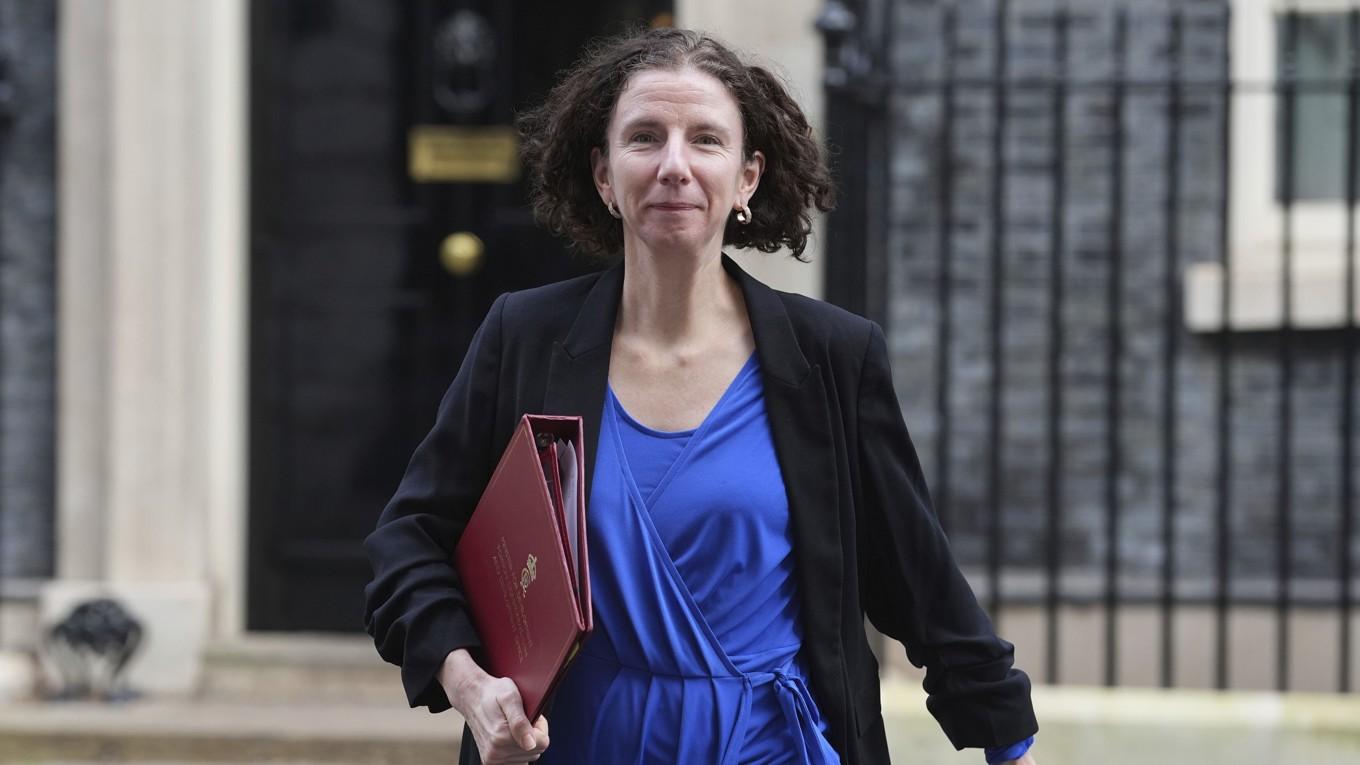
(707, 127)
(651, 123)
(639, 123)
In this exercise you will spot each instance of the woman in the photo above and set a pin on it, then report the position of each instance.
(753, 492)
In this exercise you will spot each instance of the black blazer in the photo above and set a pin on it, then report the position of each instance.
(866, 541)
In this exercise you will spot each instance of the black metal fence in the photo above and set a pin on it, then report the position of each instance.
(7, 97)
(860, 80)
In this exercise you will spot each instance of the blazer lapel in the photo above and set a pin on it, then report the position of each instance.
(578, 372)
(799, 412)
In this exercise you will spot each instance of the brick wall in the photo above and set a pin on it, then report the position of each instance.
(917, 60)
(28, 289)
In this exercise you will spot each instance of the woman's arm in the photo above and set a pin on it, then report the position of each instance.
(414, 607)
(913, 591)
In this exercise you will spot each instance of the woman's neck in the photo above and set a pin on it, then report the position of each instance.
(680, 304)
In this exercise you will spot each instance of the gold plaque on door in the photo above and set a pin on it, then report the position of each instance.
(449, 154)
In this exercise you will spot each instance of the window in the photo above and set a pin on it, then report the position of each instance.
(1262, 160)
(1320, 56)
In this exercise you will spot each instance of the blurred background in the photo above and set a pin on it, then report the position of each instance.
(244, 244)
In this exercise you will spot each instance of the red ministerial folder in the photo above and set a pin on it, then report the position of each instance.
(523, 561)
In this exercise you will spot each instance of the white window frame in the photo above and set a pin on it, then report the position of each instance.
(1256, 218)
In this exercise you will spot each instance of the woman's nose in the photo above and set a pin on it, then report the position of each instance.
(674, 163)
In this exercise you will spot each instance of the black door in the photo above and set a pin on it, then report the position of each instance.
(387, 214)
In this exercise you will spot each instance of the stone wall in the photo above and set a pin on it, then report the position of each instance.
(27, 288)
(917, 66)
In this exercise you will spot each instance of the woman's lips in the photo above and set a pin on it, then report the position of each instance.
(675, 206)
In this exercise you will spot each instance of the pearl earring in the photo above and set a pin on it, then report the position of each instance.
(743, 215)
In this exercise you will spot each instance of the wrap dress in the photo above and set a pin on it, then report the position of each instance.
(695, 653)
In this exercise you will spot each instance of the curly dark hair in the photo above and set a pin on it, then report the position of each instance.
(558, 136)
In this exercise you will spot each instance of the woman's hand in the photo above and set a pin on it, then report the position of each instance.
(1027, 759)
(493, 710)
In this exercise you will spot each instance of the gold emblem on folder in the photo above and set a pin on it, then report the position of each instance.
(528, 574)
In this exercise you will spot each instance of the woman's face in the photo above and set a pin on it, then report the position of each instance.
(674, 164)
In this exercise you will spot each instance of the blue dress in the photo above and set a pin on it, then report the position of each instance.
(694, 657)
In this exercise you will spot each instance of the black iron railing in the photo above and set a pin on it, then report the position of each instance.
(859, 84)
(6, 117)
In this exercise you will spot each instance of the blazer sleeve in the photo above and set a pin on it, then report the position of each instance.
(912, 589)
(414, 607)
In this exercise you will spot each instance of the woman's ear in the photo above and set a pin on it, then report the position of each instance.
(751, 172)
(599, 171)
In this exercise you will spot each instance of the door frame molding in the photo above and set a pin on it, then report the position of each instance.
(153, 302)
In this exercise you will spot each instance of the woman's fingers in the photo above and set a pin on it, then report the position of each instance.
(521, 732)
(540, 733)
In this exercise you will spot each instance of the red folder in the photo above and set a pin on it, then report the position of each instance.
(523, 561)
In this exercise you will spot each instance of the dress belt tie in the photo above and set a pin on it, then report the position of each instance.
(792, 694)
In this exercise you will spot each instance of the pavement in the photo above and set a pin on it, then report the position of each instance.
(165, 732)
(324, 706)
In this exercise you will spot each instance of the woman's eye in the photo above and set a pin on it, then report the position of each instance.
(643, 138)
(710, 140)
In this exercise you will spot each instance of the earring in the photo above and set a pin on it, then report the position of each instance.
(614, 210)
(743, 215)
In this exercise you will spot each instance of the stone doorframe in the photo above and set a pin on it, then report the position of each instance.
(153, 316)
